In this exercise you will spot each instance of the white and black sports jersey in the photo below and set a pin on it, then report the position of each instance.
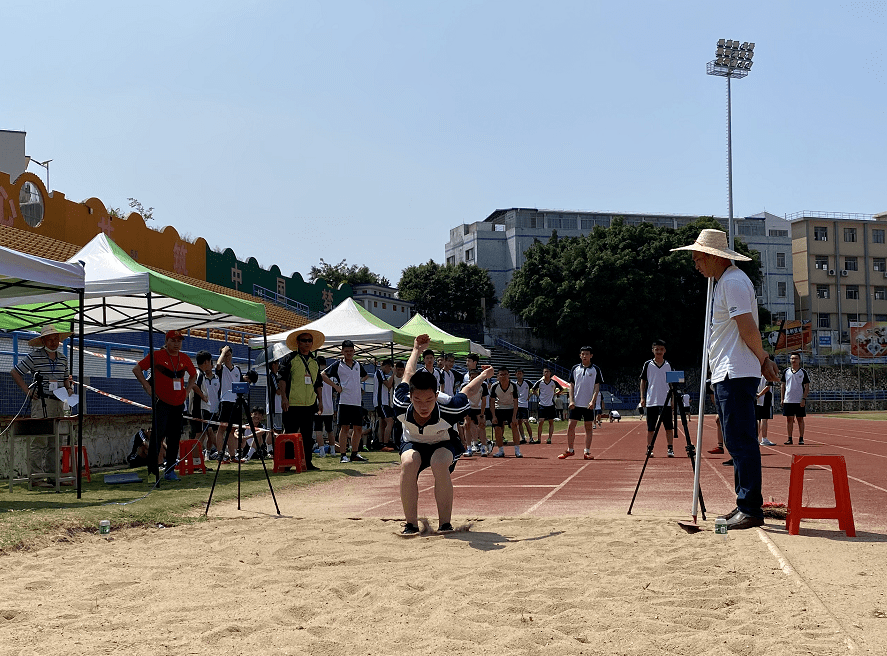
(583, 380)
(448, 411)
(547, 391)
(523, 394)
(505, 398)
(450, 381)
(349, 380)
(226, 378)
(657, 387)
(794, 384)
(381, 394)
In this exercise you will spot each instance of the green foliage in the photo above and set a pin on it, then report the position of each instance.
(146, 212)
(336, 274)
(618, 288)
(450, 293)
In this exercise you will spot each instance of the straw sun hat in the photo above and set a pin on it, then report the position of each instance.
(46, 331)
(713, 242)
(292, 340)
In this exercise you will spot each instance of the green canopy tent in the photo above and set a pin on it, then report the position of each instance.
(440, 339)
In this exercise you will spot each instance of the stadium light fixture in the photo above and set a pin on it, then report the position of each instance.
(733, 60)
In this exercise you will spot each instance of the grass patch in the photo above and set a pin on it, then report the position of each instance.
(31, 518)
(877, 416)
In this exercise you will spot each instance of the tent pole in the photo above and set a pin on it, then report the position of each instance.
(154, 442)
(81, 395)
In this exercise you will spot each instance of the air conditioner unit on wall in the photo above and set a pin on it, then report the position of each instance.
(844, 273)
(885, 274)
(831, 272)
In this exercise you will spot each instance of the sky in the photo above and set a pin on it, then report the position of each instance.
(365, 131)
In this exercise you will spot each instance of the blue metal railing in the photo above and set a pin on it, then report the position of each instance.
(282, 301)
(532, 357)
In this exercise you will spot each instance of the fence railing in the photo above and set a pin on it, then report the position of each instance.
(532, 357)
(281, 300)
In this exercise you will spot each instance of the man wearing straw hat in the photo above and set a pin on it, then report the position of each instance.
(736, 362)
(48, 361)
(300, 385)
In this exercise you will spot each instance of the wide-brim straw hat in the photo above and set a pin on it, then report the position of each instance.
(292, 340)
(46, 331)
(713, 242)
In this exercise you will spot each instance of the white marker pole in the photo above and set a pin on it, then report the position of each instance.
(702, 378)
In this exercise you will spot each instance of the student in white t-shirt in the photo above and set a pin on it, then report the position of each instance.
(654, 389)
(795, 388)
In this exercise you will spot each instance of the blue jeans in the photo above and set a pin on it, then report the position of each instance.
(735, 399)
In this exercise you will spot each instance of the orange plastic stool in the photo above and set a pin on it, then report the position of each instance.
(68, 461)
(842, 511)
(190, 457)
(289, 452)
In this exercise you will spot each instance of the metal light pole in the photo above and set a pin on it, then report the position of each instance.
(44, 165)
(732, 60)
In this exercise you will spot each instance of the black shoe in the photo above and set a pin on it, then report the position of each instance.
(446, 528)
(730, 514)
(523, 440)
(356, 457)
(800, 441)
(789, 441)
(409, 529)
(740, 521)
(728, 463)
(311, 467)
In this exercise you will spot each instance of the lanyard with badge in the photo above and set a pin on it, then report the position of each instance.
(176, 383)
(305, 361)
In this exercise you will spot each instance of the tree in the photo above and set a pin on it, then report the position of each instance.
(450, 293)
(136, 205)
(336, 274)
(618, 288)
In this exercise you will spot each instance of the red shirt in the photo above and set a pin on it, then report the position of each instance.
(169, 370)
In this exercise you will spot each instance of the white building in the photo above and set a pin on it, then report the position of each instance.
(383, 302)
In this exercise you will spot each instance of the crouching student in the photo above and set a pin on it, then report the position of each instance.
(430, 438)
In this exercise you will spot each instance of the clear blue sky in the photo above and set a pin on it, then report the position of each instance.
(294, 131)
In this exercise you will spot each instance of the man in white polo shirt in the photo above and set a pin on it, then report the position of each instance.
(736, 361)
(654, 389)
(795, 389)
(585, 382)
(350, 375)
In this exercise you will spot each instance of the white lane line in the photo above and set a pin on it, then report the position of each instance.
(555, 490)
(430, 487)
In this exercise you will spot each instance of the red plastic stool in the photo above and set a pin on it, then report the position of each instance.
(68, 462)
(289, 452)
(842, 511)
(190, 457)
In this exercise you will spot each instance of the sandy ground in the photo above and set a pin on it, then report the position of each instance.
(315, 582)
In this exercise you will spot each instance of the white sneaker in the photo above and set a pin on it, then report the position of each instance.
(467, 453)
(517, 453)
(766, 442)
(345, 459)
(499, 454)
(483, 451)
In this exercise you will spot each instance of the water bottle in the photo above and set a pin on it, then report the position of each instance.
(721, 527)
(104, 527)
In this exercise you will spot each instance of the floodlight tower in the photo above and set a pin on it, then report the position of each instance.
(732, 60)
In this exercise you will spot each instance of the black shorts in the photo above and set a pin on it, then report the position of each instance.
(425, 451)
(323, 422)
(793, 410)
(350, 415)
(581, 414)
(474, 414)
(764, 412)
(523, 413)
(488, 415)
(384, 412)
(653, 412)
(226, 413)
(504, 416)
(547, 412)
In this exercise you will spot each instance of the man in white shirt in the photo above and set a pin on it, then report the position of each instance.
(795, 388)
(736, 361)
(350, 374)
(523, 407)
(547, 388)
(585, 383)
(654, 389)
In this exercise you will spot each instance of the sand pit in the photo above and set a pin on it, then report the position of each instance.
(246, 582)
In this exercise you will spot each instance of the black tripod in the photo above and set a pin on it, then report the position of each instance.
(37, 386)
(673, 400)
(241, 407)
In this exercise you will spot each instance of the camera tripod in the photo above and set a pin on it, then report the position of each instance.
(241, 407)
(673, 401)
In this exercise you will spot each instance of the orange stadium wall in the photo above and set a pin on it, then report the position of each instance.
(77, 223)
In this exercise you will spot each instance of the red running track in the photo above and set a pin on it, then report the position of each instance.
(541, 485)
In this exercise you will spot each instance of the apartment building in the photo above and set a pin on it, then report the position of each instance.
(770, 235)
(840, 274)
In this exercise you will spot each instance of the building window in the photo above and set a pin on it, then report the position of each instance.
(778, 233)
(850, 234)
(825, 320)
(384, 306)
(821, 262)
(469, 254)
(820, 234)
(499, 227)
(375, 303)
(451, 260)
(879, 263)
(852, 292)
(851, 264)
(780, 260)
(877, 236)
(822, 291)
(780, 289)
(393, 307)
(881, 293)
(881, 317)
(281, 286)
(587, 224)
(759, 289)
(778, 317)
(854, 318)
(402, 309)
